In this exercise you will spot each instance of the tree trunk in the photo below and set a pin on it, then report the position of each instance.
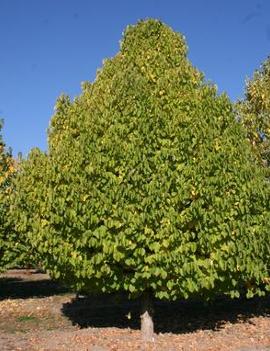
(147, 325)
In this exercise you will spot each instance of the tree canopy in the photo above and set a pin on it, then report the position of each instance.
(254, 112)
(149, 183)
(7, 171)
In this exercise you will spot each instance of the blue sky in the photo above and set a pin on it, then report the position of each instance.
(48, 47)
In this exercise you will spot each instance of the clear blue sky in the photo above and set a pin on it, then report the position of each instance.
(50, 46)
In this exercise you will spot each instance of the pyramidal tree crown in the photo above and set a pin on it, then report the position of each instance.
(149, 185)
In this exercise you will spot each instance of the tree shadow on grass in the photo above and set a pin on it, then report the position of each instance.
(175, 317)
(23, 288)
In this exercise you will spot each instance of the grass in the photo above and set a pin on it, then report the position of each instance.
(27, 319)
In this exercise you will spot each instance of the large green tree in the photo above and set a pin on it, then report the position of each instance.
(254, 112)
(149, 185)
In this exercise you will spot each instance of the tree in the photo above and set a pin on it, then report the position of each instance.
(24, 217)
(149, 186)
(254, 112)
(7, 171)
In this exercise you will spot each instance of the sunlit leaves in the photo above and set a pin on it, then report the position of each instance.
(7, 172)
(149, 183)
(254, 112)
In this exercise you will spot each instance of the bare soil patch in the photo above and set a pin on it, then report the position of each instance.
(37, 313)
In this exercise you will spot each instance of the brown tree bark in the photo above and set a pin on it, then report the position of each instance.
(147, 324)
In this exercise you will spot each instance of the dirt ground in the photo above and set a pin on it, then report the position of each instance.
(38, 314)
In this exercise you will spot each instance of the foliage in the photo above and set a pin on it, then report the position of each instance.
(28, 193)
(254, 111)
(7, 171)
(149, 183)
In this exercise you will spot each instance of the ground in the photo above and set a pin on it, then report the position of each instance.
(38, 314)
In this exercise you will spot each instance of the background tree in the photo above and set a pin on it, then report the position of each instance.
(149, 186)
(24, 216)
(7, 172)
(254, 112)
